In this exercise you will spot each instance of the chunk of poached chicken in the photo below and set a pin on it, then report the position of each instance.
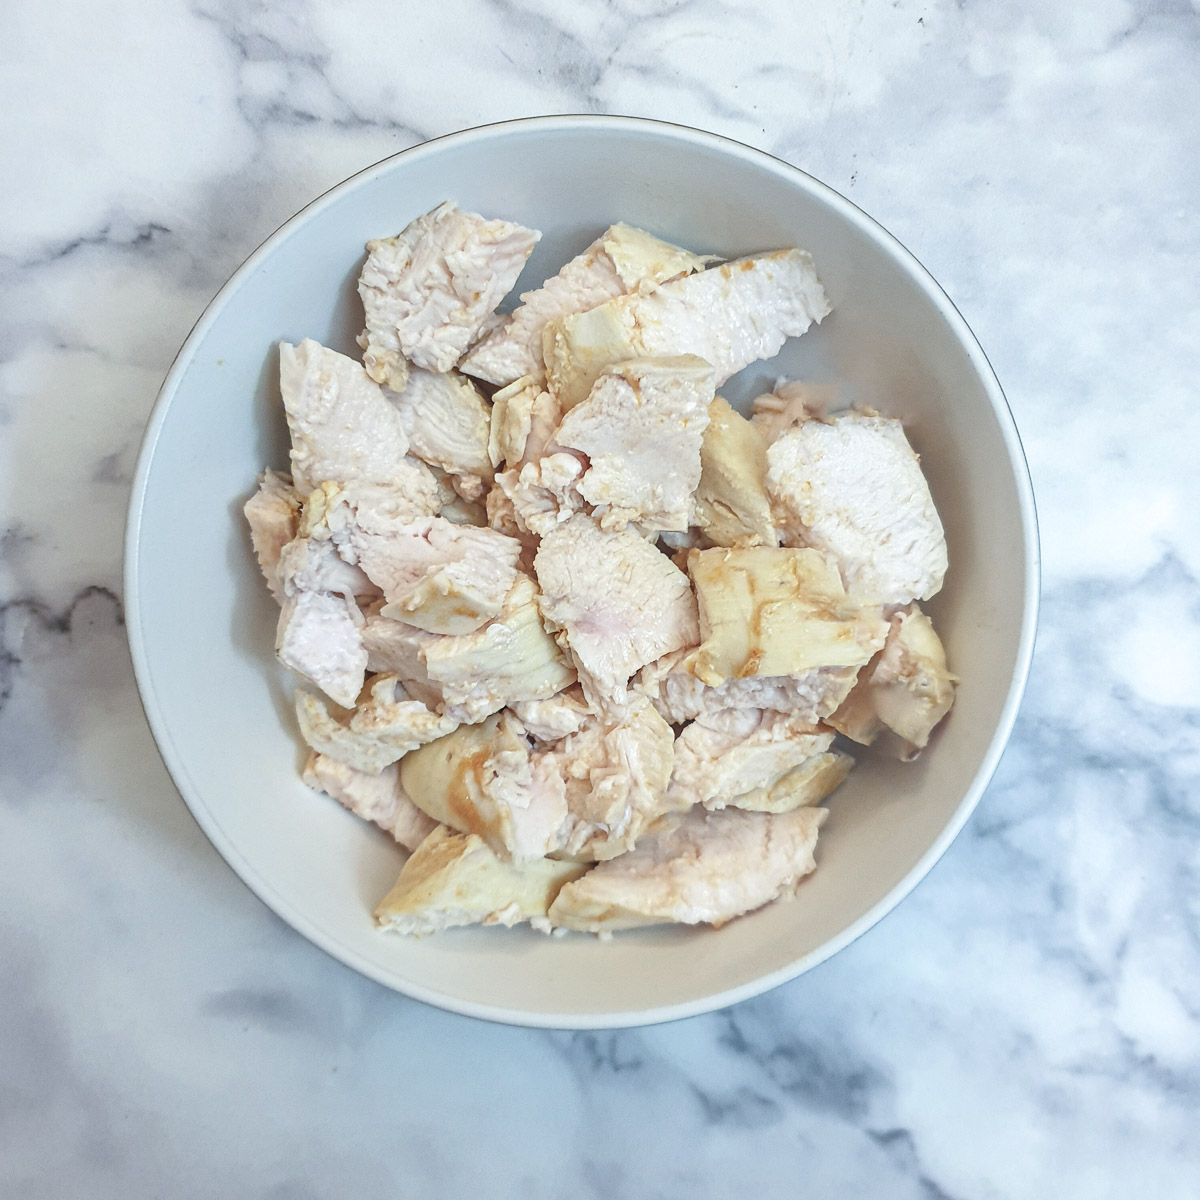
(809, 695)
(342, 426)
(435, 574)
(378, 798)
(791, 403)
(615, 771)
(318, 637)
(720, 757)
(455, 879)
(712, 867)
(616, 602)
(767, 611)
(525, 417)
(731, 505)
(907, 688)
(615, 263)
(853, 487)
(641, 428)
(273, 514)
(555, 718)
(472, 675)
(447, 422)
(481, 779)
(385, 726)
(428, 291)
(730, 316)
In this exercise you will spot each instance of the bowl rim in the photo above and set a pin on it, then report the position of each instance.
(712, 1001)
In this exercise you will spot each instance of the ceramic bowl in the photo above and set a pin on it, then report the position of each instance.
(201, 623)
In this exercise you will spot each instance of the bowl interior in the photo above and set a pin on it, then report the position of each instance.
(202, 623)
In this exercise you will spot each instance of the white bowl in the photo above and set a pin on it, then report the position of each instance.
(201, 624)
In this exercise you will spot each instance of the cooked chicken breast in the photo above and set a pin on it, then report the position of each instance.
(428, 291)
(853, 487)
(791, 403)
(555, 718)
(308, 564)
(722, 755)
(730, 316)
(447, 422)
(810, 696)
(544, 494)
(481, 779)
(731, 505)
(385, 726)
(437, 575)
(318, 637)
(342, 427)
(709, 869)
(907, 688)
(615, 263)
(771, 612)
(806, 784)
(616, 772)
(273, 514)
(378, 798)
(641, 429)
(616, 601)
(454, 879)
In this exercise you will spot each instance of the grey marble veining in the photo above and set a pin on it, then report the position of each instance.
(1026, 1024)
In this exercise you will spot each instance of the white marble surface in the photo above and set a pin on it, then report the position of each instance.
(1027, 1024)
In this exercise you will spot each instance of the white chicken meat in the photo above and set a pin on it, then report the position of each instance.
(342, 426)
(712, 867)
(447, 422)
(615, 263)
(616, 601)
(730, 316)
(378, 798)
(428, 291)
(641, 428)
(852, 487)
(273, 514)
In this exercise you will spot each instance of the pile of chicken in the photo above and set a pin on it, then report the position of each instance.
(579, 636)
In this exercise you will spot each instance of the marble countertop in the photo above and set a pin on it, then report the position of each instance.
(1027, 1024)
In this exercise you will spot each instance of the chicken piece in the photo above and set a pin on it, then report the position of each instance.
(555, 718)
(806, 784)
(272, 513)
(544, 494)
(615, 774)
(641, 429)
(454, 879)
(472, 675)
(710, 868)
(318, 637)
(853, 487)
(810, 696)
(616, 602)
(310, 565)
(791, 403)
(730, 316)
(342, 427)
(766, 611)
(731, 503)
(615, 263)
(385, 726)
(437, 575)
(720, 756)
(907, 689)
(428, 291)
(447, 422)
(378, 798)
(481, 779)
